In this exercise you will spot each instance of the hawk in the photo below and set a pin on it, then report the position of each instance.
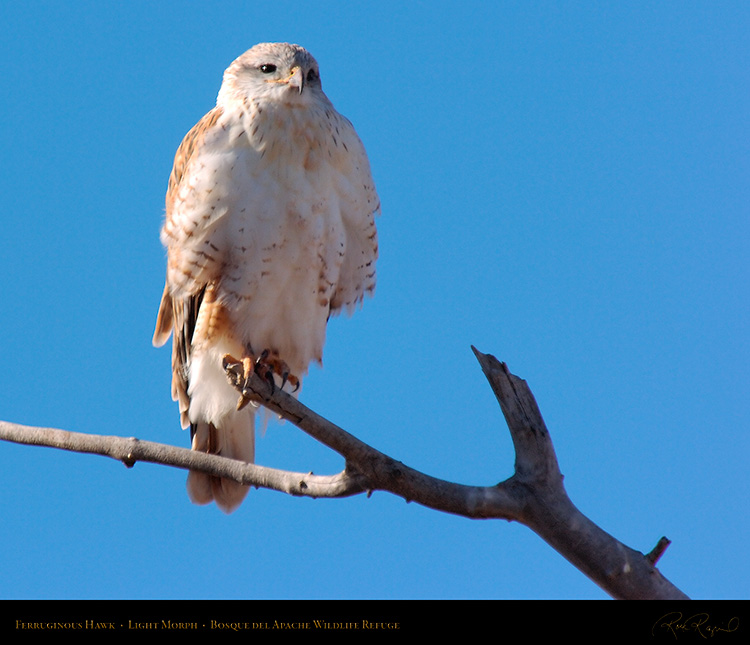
(269, 230)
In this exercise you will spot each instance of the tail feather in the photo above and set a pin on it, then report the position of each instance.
(234, 438)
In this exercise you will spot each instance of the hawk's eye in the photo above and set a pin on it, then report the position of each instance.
(312, 75)
(267, 68)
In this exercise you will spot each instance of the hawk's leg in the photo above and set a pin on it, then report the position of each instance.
(268, 365)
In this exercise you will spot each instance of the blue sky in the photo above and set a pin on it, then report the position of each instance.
(564, 185)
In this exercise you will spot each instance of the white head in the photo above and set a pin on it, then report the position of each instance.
(274, 71)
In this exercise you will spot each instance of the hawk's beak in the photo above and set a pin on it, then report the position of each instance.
(297, 78)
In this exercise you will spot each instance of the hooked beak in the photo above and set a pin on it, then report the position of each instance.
(297, 78)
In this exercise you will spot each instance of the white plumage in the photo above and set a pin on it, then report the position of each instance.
(269, 230)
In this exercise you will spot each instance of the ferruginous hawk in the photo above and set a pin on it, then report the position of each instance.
(269, 230)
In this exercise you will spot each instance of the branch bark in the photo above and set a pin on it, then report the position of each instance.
(533, 496)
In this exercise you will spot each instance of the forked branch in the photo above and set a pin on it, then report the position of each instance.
(533, 496)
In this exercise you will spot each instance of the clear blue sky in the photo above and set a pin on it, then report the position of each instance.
(564, 185)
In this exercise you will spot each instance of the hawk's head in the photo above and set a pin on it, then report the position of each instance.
(274, 71)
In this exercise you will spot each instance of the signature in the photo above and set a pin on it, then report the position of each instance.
(675, 624)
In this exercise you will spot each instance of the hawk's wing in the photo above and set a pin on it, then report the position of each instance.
(178, 311)
(359, 207)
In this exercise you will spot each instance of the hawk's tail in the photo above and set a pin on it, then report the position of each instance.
(233, 438)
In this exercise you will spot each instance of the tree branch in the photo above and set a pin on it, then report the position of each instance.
(547, 510)
(533, 496)
(130, 450)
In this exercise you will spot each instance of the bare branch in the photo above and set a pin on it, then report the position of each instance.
(547, 510)
(533, 496)
(130, 450)
(380, 471)
(658, 551)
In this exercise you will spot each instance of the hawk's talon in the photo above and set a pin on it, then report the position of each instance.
(242, 401)
(267, 365)
(270, 380)
(230, 363)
